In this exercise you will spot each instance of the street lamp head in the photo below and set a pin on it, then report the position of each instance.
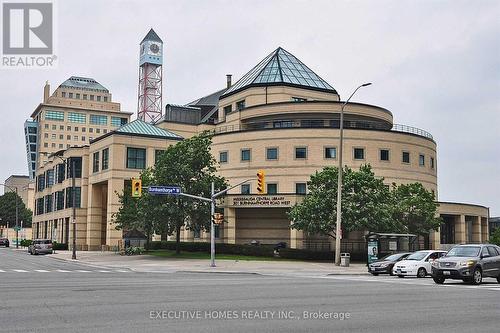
(366, 84)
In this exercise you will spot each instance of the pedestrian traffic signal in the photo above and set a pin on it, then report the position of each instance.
(136, 187)
(218, 218)
(261, 182)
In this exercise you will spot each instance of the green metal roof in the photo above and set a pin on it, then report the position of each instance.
(281, 67)
(152, 36)
(139, 127)
(84, 83)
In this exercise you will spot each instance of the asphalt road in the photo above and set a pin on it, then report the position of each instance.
(42, 294)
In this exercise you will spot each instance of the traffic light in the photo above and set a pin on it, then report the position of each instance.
(218, 218)
(136, 187)
(261, 183)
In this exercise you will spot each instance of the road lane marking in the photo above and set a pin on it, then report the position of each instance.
(41, 270)
(63, 271)
(122, 271)
(20, 270)
(82, 271)
(2, 271)
(104, 271)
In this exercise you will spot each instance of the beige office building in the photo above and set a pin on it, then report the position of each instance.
(280, 117)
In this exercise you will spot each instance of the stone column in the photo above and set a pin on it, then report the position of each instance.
(296, 238)
(460, 236)
(476, 229)
(115, 185)
(435, 239)
(230, 227)
(94, 217)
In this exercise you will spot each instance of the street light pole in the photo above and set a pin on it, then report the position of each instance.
(212, 227)
(338, 230)
(73, 204)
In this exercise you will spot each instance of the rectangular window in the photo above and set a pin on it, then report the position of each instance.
(105, 98)
(61, 136)
(83, 138)
(98, 98)
(283, 124)
(98, 119)
(53, 136)
(48, 203)
(95, 162)
(245, 155)
(54, 115)
(245, 189)
(421, 160)
(384, 154)
(300, 188)
(63, 94)
(240, 105)
(98, 130)
(272, 188)
(136, 158)
(85, 96)
(118, 121)
(59, 204)
(46, 135)
(300, 152)
(68, 137)
(330, 152)
(84, 129)
(105, 159)
(76, 117)
(70, 95)
(228, 109)
(406, 157)
(46, 126)
(61, 127)
(91, 130)
(432, 162)
(77, 96)
(158, 153)
(69, 197)
(75, 137)
(68, 128)
(223, 157)
(78, 167)
(50, 178)
(91, 97)
(60, 173)
(271, 153)
(359, 153)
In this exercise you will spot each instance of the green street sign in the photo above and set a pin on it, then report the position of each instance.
(17, 228)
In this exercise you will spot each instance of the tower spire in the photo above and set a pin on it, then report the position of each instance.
(149, 106)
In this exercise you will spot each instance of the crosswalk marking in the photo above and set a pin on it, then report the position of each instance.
(82, 271)
(20, 271)
(63, 271)
(41, 270)
(103, 271)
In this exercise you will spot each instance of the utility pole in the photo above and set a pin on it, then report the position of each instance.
(212, 227)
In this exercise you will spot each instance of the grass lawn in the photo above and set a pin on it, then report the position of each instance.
(203, 255)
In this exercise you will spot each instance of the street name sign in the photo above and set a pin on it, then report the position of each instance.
(164, 190)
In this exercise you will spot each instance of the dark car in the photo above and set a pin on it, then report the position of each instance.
(469, 262)
(385, 265)
(4, 242)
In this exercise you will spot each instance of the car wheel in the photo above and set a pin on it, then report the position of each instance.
(401, 276)
(421, 273)
(439, 279)
(477, 276)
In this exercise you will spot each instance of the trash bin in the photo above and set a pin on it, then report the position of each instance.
(345, 259)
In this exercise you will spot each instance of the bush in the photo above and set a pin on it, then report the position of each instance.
(495, 237)
(59, 246)
(248, 250)
(133, 250)
(306, 254)
(25, 242)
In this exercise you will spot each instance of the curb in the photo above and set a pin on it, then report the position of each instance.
(220, 272)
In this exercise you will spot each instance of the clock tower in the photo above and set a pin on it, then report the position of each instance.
(149, 107)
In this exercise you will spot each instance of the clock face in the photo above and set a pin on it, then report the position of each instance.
(154, 48)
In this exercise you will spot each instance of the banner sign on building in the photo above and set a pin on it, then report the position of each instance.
(261, 201)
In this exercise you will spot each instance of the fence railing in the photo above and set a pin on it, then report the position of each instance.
(320, 123)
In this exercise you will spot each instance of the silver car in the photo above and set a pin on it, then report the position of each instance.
(40, 246)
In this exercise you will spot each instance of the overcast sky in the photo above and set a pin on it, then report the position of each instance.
(434, 64)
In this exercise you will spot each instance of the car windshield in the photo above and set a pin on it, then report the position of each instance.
(464, 251)
(417, 256)
(393, 257)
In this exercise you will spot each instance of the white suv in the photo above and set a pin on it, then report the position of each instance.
(417, 264)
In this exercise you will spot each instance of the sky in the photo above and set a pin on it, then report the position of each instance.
(434, 64)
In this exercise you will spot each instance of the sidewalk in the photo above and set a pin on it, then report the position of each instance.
(147, 263)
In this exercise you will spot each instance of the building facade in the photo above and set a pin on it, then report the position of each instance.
(280, 117)
(25, 189)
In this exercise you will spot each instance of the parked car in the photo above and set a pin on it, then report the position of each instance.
(385, 264)
(468, 262)
(4, 242)
(40, 246)
(417, 264)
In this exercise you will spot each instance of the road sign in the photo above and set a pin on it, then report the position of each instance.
(164, 190)
(17, 228)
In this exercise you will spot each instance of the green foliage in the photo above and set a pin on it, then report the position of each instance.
(25, 242)
(59, 246)
(248, 250)
(495, 237)
(367, 204)
(188, 164)
(8, 210)
(414, 209)
(133, 250)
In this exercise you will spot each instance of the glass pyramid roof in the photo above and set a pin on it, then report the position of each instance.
(281, 67)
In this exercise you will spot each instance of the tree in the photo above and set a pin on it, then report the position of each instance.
(495, 237)
(414, 209)
(188, 164)
(8, 210)
(365, 203)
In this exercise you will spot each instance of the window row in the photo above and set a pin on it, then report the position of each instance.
(272, 188)
(358, 153)
(58, 200)
(58, 174)
(75, 129)
(81, 118)
(101, 158)
(85, 97)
